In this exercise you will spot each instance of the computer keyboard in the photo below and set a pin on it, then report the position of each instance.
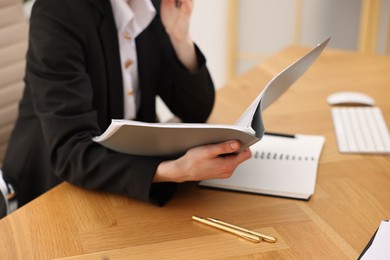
(361, 130)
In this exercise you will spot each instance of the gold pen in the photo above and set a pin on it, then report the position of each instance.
(262, 236)
(245, 235)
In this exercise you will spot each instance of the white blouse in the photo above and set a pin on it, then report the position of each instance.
(131, 18)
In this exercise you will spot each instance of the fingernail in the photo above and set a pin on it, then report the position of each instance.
(234, 145)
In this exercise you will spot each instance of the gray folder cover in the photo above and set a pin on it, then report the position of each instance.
(173, 139)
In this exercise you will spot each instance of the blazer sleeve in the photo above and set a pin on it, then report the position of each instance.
(190, 96)
(61, 93)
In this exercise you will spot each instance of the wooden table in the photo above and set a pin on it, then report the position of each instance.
(351, 198)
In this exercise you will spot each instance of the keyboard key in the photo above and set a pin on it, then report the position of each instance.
(360, 130)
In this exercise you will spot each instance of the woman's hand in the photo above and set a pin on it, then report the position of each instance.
(202, 163)
(176, 20)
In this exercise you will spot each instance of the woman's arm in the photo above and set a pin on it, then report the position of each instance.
(176, 20)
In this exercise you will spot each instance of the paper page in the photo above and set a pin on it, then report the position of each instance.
(173, 139)
(280, 83)
(116, 124)
(379, 249)
(279, 166)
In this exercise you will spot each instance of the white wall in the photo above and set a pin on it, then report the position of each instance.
(209, 30)
(266, 27)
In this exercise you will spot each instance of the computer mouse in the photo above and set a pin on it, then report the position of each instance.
(350, 98)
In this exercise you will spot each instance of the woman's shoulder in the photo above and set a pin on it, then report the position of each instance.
(61, 6)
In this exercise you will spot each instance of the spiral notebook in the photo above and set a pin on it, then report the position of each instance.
(284, 166)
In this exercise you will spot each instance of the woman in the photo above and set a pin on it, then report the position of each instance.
(93, 60)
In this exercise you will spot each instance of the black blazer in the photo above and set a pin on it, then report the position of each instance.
(73, 90)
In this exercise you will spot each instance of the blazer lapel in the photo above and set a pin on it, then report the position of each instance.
(148, 54)
(110, 45)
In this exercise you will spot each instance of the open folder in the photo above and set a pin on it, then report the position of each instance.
(173, 139)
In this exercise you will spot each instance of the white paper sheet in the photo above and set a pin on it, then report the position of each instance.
(380, 248)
